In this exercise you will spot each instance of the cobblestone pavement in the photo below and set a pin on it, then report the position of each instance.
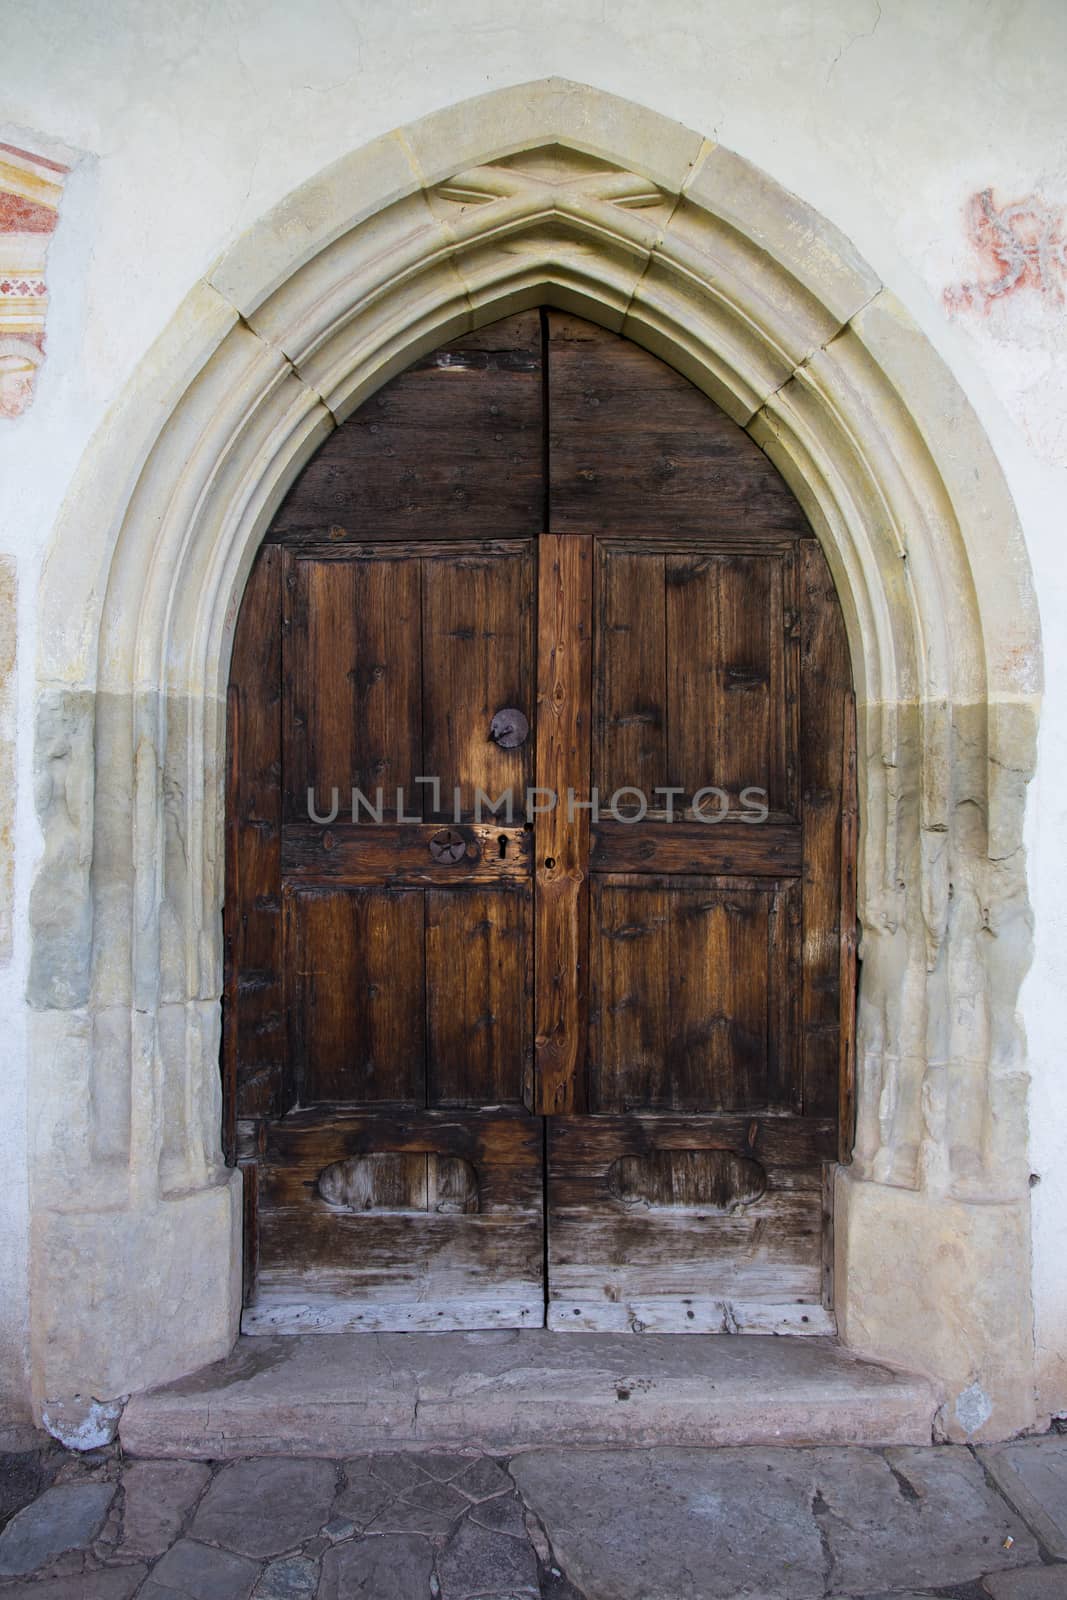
(651, 1524)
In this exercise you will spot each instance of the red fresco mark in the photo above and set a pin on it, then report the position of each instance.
(1023, 245)
(25, 216)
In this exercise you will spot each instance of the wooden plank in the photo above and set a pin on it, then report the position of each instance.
(630, 1023)
(691, 1004)
(717, 954)
(356, 960)
(477, 644)
(561, 837)
(614, 1264)
(400, 853)
(452, 446)
(780, 1143)
(478, 996)
(849, 934)
(748, 849)
(634, 447)
(630, 731)
(726, 679)
(785, 957)
(353, 671)
(435, 1270)
(256, 1079)
(825, 682)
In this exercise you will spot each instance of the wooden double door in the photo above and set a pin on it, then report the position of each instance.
(540, 855)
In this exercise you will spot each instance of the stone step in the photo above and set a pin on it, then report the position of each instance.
(500, 1392)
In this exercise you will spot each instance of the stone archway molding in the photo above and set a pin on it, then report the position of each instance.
(547, 192)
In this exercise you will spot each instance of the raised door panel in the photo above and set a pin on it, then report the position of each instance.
(477, 654)
(687, 1224)
(353, 674)
(688, 979)
(357, 992)
(696, 679)
(427, 1221)
(478, 987)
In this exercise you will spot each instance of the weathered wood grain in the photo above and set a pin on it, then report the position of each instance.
(633, 446)
(421, 1271)
(747, 849)
(356, 965)
(478, 659)
(353, 669)
(452, 448)
(614, 1265)
(561, 836)
(478, 996)
(400, 853)
(825, 685)
(257, 1079)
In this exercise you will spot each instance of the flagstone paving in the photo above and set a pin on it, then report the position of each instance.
(900, 1523)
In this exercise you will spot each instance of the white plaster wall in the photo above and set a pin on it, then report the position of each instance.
(886, 118)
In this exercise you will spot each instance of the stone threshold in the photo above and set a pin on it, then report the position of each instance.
(499, 1392)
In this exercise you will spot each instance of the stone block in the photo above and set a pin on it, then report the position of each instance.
(1035, 1583)
(659, 1524)
(807, 245)
(110, 1583)
(67, 1517)
(158, 1496)
(477, 1561)
(918, 1268)
(393, 1566)
(1033, 1475)
(923, 1519)
(192, 1571)
(312, 218)
(264, 1507)
(554, 110)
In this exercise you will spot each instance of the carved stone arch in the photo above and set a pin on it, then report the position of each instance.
(554, 193)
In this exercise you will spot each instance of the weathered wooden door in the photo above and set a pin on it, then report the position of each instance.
(539, 904)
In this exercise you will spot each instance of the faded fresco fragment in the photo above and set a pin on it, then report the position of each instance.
(1020, 246)
(30, 190)
(1012, 292)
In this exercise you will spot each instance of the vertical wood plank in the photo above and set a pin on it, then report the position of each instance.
(717, 962)
(561, 840)
(727, 705)
(826, 681)
(477, 641)
(255, 1045)
(849, 935)
(477, 997)
(360, 997)
(629, 737)
(629, 1066)
(353, 665)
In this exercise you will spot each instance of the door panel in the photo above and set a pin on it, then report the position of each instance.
(696, 675)
(478, 983)
(353, 668)
(477, 649)
(636, 1244)
(356, 977)
(686, 975)
(624, 576)
(465, 1253)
